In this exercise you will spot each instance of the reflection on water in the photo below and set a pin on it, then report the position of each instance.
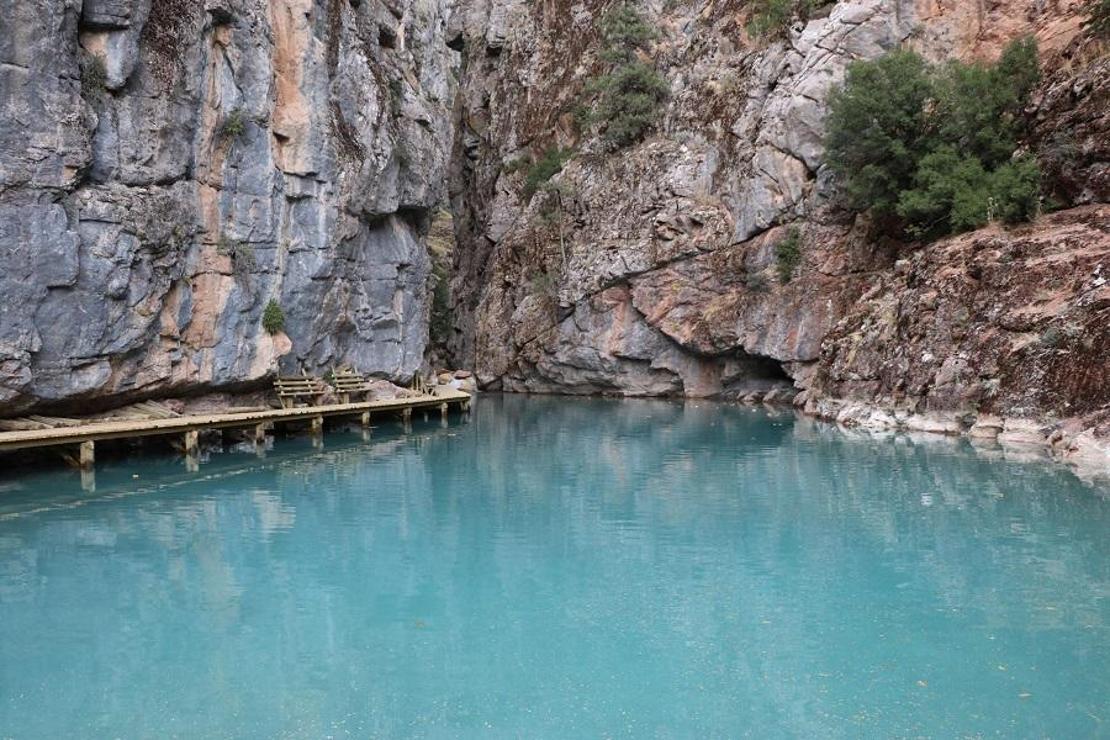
(561, 567)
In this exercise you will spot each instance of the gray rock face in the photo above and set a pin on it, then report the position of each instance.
(653, 270)
(167, 167)
(636, 247)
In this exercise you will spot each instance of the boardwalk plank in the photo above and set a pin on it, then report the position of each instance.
(126, 428)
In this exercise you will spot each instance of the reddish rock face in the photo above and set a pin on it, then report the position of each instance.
(1072, 131)
(1008, 322)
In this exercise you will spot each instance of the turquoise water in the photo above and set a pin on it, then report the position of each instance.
(560, 568)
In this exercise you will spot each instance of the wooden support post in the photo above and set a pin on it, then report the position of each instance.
(365, 420)
(191, 448)
(443, 410)
(88, 480)
(88, 455)
(318, 432)
(258, 436)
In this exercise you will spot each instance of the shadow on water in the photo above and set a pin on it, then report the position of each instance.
(561, 566)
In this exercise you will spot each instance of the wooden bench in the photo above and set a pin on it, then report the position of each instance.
(299, 386)
(348, 383)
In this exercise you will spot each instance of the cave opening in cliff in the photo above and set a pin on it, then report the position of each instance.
(766, 368)
(746, 373)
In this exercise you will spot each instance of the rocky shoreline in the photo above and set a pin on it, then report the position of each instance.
(1076, 442)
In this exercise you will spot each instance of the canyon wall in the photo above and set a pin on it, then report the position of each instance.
(170, 167)
(652, 270)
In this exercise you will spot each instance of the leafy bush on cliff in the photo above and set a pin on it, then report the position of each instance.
(235, 124)
(931, 148)
(1099, 20)
(625, 31)
(94, 76)
(630, 95)
(273, 318)
(772, 17)
(953, 193)
(538, 172)
(788, 253)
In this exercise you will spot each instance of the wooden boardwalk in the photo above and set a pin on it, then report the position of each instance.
(86, 434)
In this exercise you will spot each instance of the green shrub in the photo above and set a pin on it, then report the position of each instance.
(978, 109)
(273, 318)
(788, 253)
(94, 76)
(769, 17)
(772, 17)
(878, 128)
(537, 173)
(630, 95)
(1099, 20)
(1016, 191)
(625, 31)
(931, 149)
(234, 124)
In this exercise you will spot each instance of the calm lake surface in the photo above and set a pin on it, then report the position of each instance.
(560, 568)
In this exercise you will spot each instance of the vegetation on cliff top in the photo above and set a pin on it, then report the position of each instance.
(1099, 20)
(772, 17)
(630, 94)
(930, 150)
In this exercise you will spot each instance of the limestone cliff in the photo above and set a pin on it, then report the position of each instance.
(168, 167)
(654, 273)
